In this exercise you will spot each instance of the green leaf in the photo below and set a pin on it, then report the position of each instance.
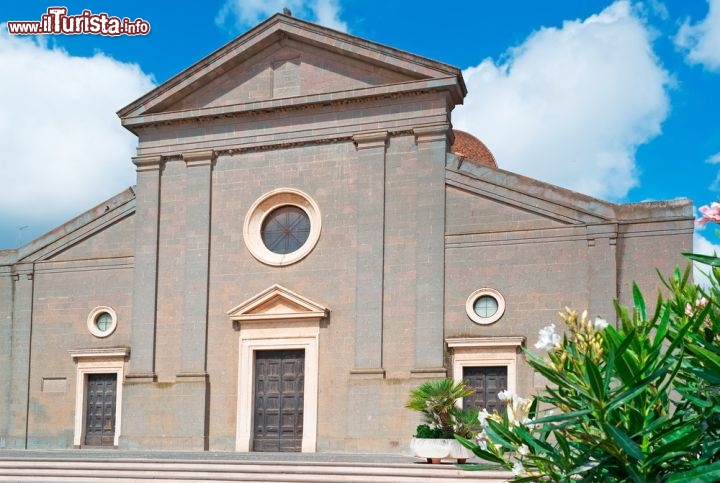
(707, 357)
(476, 467)
(480, 453)
(501, 435)
(662, 458)
(594, 379)
(661, 330)
(706, 259)
(554, 418)
(639, 301)
(627, 444)
(682, 442)
(703, 474)
(628, 394)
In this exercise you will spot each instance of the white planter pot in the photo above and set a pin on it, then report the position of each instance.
(458, 451)
(435, 450)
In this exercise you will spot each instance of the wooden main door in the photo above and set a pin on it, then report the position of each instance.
(487, 383)
(100, 409)
(278, 411)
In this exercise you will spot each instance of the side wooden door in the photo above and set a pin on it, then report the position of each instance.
(100, 409)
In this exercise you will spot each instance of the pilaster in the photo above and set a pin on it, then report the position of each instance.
(20, 351)
(432, 145)
(369, 260)
(147, 215)
(602, 283)
(197, 252)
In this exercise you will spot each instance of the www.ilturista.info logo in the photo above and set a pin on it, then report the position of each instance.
(57, 21)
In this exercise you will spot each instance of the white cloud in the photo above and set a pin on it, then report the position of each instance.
(64, 150)
(243, 14)
(701, 41)
(702, 246)
(571, 105)
(714, 159)
(328, 14)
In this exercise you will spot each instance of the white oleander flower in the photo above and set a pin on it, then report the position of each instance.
(600, 323)
(505, 396)
(518, 469)
(518, 409)
(523, 450)
(548, 340)
(482, 417)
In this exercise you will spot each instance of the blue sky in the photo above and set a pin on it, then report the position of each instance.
(618, 100)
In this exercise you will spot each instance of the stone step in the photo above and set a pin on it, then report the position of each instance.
(153, 470)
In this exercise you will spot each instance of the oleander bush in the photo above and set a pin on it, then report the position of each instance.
(637, 401)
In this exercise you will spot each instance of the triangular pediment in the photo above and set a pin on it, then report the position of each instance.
(285, 57)
(285, 69)
(277, 303)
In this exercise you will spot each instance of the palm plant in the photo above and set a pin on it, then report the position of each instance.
(436, 400)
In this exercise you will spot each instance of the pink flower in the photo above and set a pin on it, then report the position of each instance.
(709, 212)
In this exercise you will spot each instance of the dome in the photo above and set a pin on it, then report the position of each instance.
(472, 149)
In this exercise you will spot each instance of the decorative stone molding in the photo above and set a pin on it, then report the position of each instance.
(428, 134)
(277, 302)
(485, 292)
(147, 163)
(92, 321)
(199, 158)
(370, 140)
(263, 207)
(428, 372)
(104, 353)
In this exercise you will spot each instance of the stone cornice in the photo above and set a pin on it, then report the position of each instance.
(105, 353)
(500, 341)
(394, 91)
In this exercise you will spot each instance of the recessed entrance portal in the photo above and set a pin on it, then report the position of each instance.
(100, 410)
(278, 371)
(278, 408)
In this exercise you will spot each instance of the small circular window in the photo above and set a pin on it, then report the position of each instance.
(285, 229)
(485, 306)
(102, 321)
(282, 227)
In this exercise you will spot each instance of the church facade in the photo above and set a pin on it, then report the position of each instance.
(308, 240)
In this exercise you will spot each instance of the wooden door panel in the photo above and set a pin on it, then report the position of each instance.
(278, 412)
(100, 409)
(487, 383)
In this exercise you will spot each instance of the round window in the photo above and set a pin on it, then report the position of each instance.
(285, 229)
(282, 227)
(102, 321)
(485, 306)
